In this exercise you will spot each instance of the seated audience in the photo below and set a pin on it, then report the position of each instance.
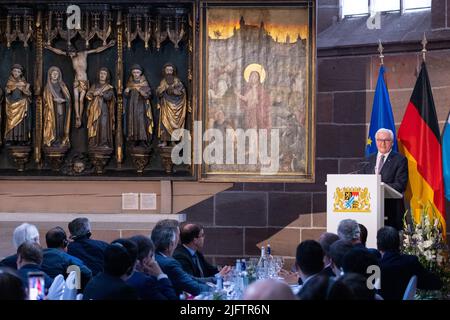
(269, 289)
(358, 286)
(309, 260)
(348, 230)
(148, 279)
(397, 269)
(24, 232)
(362, 244)
(326, 240)
(337, 252)
(57, 260)
(111, 283)
(323, 287)
(29, 259)
(363, 234)
(188, 253)
(11, 285)
(165, 240)
(358, 261)
(87, 250)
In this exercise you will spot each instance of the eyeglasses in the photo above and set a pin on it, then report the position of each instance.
(384, 140)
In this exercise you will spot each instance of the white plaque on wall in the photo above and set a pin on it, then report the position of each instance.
(130, 201)
(148, 201)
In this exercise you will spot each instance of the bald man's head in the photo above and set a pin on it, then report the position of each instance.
(269, 289)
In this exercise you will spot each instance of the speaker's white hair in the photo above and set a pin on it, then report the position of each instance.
(391, 134)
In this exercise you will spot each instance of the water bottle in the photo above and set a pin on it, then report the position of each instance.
(270, 262)
(244, 274)
(243, 265)
(261, 266)
(219, 281)
(238, 267)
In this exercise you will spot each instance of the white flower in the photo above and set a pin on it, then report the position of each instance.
(427, 244)
(428, 255)
(406, 241)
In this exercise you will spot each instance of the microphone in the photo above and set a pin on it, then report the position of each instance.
(361, 166)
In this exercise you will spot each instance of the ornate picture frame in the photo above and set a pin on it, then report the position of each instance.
(257, 91)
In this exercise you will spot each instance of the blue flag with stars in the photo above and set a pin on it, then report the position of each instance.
(382, 116)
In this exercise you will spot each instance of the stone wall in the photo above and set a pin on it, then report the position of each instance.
(248, 215)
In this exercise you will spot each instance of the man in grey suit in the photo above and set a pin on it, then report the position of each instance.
(165, 238)
(393, 168)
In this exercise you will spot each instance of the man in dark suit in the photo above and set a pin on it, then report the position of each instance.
(326, 240)
(57, 260)
(309, 261)
(87, 250)
(148, 279)
(29, 259)
(393, 168)
(165, 239)
(397, 269)
(188, 254)
(111, 283)
(24, 232)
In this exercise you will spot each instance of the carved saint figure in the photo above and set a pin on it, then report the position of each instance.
(173, 105)
(81, 83)
(139, 119)
(57, 110)
(17, 108)
(101, 111)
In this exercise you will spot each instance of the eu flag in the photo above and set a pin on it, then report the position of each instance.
(446, 157)
(382, 116)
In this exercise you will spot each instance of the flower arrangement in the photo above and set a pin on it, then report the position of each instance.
(425, 240)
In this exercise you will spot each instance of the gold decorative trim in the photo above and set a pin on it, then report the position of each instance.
(119, 77)
(38, 87)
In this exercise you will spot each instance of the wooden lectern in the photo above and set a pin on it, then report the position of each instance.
(359, 197)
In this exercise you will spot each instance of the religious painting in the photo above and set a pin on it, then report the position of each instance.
(258, 92)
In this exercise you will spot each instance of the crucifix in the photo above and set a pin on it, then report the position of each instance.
(81, 82)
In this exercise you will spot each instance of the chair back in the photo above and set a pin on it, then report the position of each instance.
(410, 291)
(56, 290)
(70, 292)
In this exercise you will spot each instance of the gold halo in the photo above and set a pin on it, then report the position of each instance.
(255, 67)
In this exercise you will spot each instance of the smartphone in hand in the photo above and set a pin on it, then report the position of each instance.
(36, 286)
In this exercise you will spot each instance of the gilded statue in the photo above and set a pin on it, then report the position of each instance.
(101, 111)
(173, 105)
(81, 83)
(17, 108)
(57, 110)
(139, 119)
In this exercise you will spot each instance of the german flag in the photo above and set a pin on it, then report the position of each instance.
(420, 141)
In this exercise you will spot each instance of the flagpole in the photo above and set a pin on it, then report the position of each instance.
(380, 50)
(424, 47)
